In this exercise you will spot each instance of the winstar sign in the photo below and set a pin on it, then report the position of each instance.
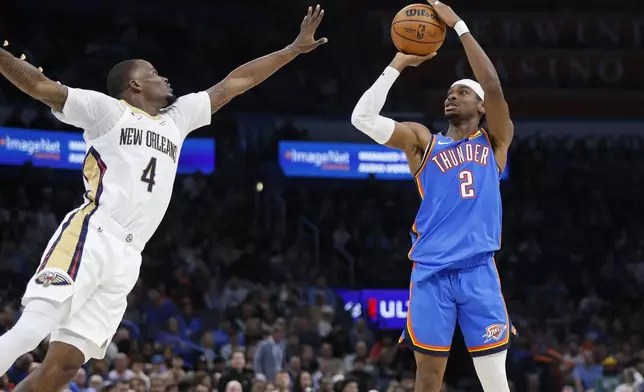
(385, 308)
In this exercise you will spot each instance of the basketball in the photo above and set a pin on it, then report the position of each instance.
(417, 30)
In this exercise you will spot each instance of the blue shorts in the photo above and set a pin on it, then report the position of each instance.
(472, 296)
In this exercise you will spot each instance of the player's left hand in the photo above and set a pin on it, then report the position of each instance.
(305, 41)
(445, 12)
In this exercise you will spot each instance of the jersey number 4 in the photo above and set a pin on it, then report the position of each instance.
(467, 184)
(149, 173)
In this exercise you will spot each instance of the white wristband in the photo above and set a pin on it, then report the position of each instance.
(461, 28)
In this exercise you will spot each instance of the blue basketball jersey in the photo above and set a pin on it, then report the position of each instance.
(460, 212)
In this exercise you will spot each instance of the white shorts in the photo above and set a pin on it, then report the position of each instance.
(94, 262)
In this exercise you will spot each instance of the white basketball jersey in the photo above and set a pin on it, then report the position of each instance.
(132, 157)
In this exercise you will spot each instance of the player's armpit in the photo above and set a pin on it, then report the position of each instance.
(409, 136)
(412, 138)
(497, 115)
(499, 125)
(31, 81)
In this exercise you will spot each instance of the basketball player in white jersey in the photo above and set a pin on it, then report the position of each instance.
(134, 136)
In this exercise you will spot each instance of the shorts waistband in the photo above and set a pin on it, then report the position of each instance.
(103, 221)
(470, 262)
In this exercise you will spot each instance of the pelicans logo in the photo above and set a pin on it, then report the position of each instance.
(47, 279)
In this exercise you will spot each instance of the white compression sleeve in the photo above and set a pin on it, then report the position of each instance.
(491, 372)
(366, 115)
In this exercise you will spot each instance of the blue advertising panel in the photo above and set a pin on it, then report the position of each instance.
(64, 150)
(385, 308)
(344, 160)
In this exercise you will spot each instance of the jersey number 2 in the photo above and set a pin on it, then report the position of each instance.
(149, 173)
(467, 182)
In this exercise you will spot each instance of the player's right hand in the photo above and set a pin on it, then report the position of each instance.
(402, 60)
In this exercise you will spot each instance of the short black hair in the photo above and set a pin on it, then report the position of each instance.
(119, 78)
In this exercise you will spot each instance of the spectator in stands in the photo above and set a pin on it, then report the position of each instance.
(348, 385)
(325, 323)
(95, 383)
(121, 372)
(233, 345)
(632, 381)
(361, 353)
(588, 373)
(237, 372)
(77, 384)
(138, 368)
(234, 293)
(306, 332)
(189, 322)
(233, 386)
(269, 354)
(158, 311)
(308, 359)
(294, 368)
(366, 380)
(303, 382)
(361, 333)
(610, 379)
(328, 362)
(282, 382)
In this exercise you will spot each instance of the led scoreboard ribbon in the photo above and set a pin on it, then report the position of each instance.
(65, 150)
(344, 160)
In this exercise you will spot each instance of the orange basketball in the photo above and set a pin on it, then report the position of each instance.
(417, 30)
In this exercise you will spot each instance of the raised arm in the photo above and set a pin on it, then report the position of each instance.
(497, 113)
(410, 137)
(31, 81)
(254, 72)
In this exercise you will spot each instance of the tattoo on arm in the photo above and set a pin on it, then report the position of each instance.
(57, 98)
(31, 81)
(218, 96)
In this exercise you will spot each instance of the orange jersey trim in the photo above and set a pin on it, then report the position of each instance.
(414, 228)
(432, 143)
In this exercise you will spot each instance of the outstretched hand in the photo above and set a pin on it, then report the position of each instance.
(305, 41)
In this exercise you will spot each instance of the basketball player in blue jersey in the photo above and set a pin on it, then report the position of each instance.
(458, 226)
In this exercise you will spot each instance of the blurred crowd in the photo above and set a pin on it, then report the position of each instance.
(246, 297)
(237, 289)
